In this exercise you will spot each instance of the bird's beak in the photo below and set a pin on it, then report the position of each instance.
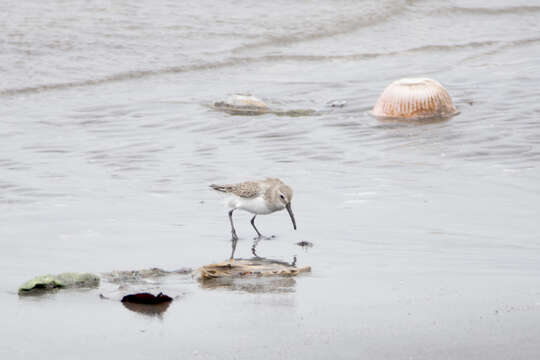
(288, 206)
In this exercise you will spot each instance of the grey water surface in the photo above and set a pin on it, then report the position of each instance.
(426, 236)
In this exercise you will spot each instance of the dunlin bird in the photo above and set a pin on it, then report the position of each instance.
(257, 197)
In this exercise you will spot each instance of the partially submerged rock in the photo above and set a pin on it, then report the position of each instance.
(145, 303)
(64, 280)
(140, 275)
(249, 267)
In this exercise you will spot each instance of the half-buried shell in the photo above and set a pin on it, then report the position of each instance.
(242, 104)
(414, 98)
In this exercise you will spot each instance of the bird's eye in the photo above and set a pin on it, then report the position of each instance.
(281, 196)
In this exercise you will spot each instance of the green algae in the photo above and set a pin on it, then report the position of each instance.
(64, 280)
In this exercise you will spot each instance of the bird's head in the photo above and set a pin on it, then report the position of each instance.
(284, 197)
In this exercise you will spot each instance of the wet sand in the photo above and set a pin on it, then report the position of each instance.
(425, 235)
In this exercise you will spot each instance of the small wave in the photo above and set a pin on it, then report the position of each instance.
(335, 29)
(123, 76)
(132, 75)
(516, 10)
(504, 46)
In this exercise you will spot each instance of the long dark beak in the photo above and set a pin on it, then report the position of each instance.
(288, 206)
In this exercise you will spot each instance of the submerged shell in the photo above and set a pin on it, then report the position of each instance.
(242, 103)
(245, 101)
(414, 98)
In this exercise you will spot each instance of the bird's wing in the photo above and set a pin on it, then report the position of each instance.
(248, 189)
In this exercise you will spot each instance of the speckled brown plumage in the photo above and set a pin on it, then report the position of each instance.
(249, 189)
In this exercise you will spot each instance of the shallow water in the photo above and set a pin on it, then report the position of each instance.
(426, 235)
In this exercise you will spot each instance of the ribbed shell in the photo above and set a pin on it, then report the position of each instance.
(414, 99)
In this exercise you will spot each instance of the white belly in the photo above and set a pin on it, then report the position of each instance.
(255, 205)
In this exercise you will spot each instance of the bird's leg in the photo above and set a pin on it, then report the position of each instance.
(259, 235)
(233, 230)
(233, 245)
(234, 236)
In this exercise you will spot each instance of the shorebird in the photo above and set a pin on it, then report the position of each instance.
(257, 197)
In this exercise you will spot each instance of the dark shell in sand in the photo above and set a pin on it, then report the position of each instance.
(146, 298)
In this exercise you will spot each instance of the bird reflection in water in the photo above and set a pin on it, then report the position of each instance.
(257, 257)
(256, 283)
(276, 285)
